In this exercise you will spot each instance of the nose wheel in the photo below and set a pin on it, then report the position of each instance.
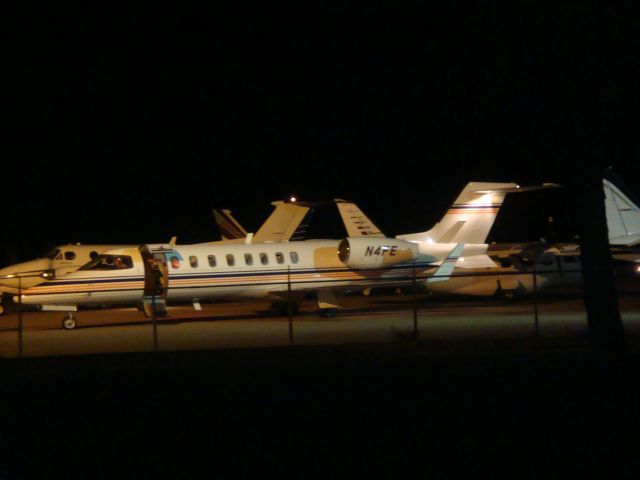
(69, 322)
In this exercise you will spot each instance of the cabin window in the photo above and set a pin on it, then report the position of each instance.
(248, 259)
(175, 261)
(279, 257)
(294, 257)
(69, 255)
(93, 254)
(51, 254)
(193, 260)
(212, 260)
(264, 259)
(109, 262)
(231, 261)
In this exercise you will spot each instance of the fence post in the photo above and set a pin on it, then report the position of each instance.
(415, 301)
(289, 307)
(535, 299)
(19, 316)
(153, 322)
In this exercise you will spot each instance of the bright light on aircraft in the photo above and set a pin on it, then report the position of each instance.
(638, 269)
(292, 199)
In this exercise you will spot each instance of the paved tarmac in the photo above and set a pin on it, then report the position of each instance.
(251, 324)
(482, 392)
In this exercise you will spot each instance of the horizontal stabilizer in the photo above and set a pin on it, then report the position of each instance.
(518, 188)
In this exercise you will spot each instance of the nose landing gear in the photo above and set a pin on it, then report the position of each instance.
(69, 322)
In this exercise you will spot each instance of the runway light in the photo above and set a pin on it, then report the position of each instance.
(638, 269)
(292, 199)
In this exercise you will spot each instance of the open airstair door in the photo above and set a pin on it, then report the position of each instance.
(156, 276)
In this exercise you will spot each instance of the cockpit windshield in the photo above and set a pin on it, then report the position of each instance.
(51, 254)
(109, 262)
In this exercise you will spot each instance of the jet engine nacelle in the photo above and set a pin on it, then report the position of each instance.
(375, 252)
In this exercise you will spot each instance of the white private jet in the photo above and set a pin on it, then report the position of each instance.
(63, 259)
(202, 272)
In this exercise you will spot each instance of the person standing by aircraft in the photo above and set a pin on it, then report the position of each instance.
(158, 278)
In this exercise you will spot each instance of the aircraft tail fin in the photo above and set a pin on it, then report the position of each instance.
(472, 215)
(229, 227)
(623, 213)
(355, 221)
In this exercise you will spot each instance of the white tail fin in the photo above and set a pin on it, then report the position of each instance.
(623, 216)
(355, 221)
(472, 215)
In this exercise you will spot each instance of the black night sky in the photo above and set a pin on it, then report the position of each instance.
(127, 124)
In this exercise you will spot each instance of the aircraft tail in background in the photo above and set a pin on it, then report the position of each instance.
(472, 215)
(623, 214)
(229, 227)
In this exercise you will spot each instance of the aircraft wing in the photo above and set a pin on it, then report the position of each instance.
(355, 221)
(445, 269)
(282, 223)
